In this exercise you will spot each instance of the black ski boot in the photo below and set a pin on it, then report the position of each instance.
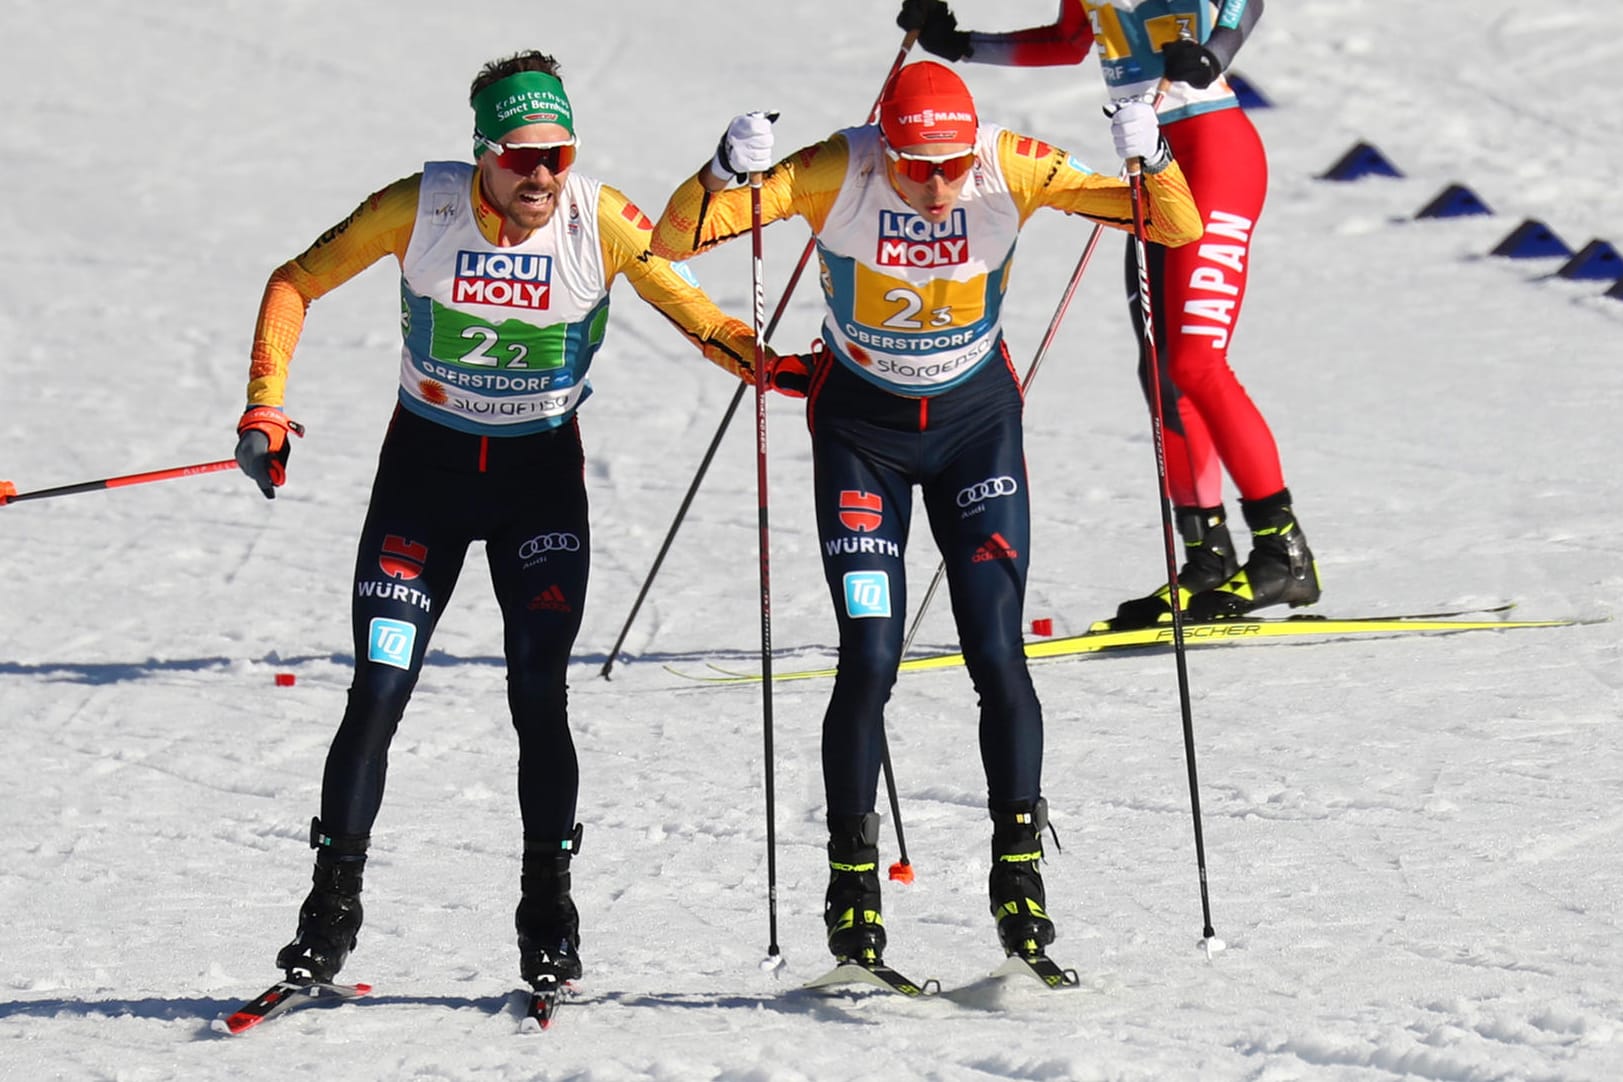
(1209, 561)
(1279, 570)
(856, 931)
(330, 918)
(1015, 885)
(547, 921)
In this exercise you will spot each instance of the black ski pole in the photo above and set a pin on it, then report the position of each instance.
(1025, 386)
(1135, 178)
(902, 870)
(774, 957)
(676, 523)
(732, 408)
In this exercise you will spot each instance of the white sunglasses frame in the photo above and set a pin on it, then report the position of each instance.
(491, 144)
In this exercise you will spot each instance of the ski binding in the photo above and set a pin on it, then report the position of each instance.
(878, 975)
(1039, 967)
(282, 996)
(547, 995)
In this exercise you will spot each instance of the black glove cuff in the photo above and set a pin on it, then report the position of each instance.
(1158, 161)
(720, 166)
(793, 381)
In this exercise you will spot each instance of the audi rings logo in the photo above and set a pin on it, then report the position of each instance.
(989, 489)
(548, 542)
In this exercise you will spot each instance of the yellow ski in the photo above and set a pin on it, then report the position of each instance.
(1208, 634)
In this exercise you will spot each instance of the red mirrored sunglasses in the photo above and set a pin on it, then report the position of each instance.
(523, 158)
(921, 167)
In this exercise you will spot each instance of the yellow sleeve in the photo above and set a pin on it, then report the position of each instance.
(626, 231)
(806, 183)
(1042, 175)
(378, 227)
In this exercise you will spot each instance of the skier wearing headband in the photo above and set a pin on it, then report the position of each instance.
(915, 220)
(505, 266)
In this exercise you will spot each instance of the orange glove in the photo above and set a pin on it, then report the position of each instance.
(790, 373)
(7, 491)
(263, 446)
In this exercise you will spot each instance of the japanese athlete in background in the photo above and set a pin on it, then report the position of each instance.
(1197, 291)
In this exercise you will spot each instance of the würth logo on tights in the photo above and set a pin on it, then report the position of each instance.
(507, 279)
(551, 599)
(861, 511)
(995, 548)
(402, 559)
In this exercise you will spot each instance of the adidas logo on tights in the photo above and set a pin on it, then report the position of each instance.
(995, 548)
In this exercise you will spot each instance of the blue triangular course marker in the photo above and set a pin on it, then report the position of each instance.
(1362, 160)
(1454, 201)
(1616, 290)
(1532, 240)
(1249, 96)
(1597, 259)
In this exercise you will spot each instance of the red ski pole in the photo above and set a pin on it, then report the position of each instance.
(9, 493)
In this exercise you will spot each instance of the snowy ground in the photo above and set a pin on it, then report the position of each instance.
(1415, 847)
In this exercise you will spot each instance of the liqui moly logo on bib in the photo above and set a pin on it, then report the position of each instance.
(508, 279)
(907, 240)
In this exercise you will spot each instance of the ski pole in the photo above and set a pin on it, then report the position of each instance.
(9, 493)
(1025, 385)
(902, 870)
(1135, 180)
(732, 408)
(774, 958)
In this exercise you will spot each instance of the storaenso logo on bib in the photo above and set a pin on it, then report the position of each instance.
(506, 279)
(907, 240)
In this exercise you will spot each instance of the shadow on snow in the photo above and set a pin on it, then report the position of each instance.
(822, 1005)
(118, 672)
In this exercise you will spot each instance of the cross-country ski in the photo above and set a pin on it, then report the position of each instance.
(1217, 633)
(283, 996)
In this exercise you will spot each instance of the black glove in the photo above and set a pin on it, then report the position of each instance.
(1190, 62)
(790, 374)
(937, 27)
(263, 446)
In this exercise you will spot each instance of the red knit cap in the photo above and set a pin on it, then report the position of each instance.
(927, 103)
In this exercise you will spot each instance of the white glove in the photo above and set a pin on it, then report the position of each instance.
(1137, 132)
(745, 148)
